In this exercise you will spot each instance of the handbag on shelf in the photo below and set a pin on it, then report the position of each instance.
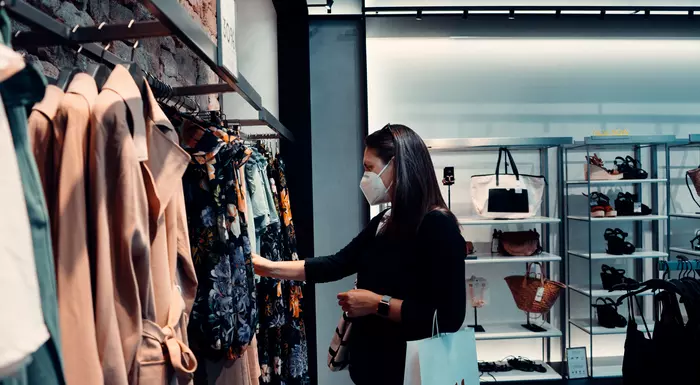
(694, 176)
(521, 243)
(534, 294)
(507, 196)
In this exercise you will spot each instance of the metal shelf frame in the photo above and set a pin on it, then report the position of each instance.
(660, 222)
(173, 20)
(551, 251)
(691, 143)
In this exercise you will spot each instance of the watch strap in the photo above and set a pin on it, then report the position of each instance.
(384, 305)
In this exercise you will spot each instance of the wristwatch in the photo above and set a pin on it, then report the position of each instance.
(383, 308)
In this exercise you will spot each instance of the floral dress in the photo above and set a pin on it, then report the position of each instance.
(283, 350)
(224, 316)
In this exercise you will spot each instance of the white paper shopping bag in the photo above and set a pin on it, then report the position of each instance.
(444, 359)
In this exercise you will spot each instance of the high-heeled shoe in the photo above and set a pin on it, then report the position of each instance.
(597, 171)
(616, 242)
(611, 276)
(626, 205)
(600, 205)
(630, 168)
(608, 317)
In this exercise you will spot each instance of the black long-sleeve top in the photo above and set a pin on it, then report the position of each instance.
(426, 272)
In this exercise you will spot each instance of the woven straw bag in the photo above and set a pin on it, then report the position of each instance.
(525, 291)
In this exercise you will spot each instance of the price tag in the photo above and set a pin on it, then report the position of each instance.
(637, 207)
(539, 295)
(518, 187)
(226, 36)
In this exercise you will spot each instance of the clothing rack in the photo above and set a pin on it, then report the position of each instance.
(173, 20)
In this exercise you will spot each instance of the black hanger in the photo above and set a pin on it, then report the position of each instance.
(66, 75)
(135, 70)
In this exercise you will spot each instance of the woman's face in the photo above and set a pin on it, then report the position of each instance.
(374, 163)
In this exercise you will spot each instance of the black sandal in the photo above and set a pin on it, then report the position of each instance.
(616, 242)
(625, 205)
(525, 365)
(611, 276)
(608, 317)
(630, 168)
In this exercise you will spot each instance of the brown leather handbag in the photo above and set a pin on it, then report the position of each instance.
(520, 243)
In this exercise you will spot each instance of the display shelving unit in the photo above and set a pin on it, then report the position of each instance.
(551, 252)
(603, 366)
(693, 142)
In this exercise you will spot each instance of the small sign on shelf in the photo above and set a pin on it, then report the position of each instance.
(577, 363)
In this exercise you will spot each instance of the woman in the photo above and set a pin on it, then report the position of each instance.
(409, 260)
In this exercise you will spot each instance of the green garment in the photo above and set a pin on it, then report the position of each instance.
(19, 93)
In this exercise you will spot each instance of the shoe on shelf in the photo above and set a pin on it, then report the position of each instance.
(600, 205)
(695, 242)
(608, 317)
(611, 276)
(626, 205)
(594, 165)
(526, 365)
(630, 168)
(616, 242)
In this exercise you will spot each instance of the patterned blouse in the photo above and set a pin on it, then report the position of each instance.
(224, 317)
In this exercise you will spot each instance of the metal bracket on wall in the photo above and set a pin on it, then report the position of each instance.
(173, 19)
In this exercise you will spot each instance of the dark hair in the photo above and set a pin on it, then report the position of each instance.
(416, 190)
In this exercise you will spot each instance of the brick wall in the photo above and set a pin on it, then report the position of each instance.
(166, 58)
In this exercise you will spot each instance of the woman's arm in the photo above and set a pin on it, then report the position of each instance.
(319, 269)
(291, 270)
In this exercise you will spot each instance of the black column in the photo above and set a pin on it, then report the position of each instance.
(295, 113)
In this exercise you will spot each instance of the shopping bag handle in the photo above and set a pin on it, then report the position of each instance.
(435, 325)
(502, 150)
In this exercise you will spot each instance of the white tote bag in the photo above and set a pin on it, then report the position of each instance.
(507, 196)
(443, 359)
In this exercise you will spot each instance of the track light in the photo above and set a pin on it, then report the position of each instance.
(602, 14)
(465, 15)
(512, 15)
(419, 15)
(558, 13)
(691, 13)
(329, 5)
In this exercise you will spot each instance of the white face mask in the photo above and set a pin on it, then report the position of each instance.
(373, 187)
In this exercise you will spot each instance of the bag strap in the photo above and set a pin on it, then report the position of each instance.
(512, 163)
(686, 183)
(435, 325)
(527, 273)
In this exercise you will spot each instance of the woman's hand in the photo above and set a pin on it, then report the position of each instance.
(262, 266)
(359, 303)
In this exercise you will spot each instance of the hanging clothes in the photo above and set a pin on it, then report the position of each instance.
(69, 122)
(173, 280)
(19, 285)
(18, 93)
(119, 219)
(224, 316)
(46, 141)
(283, 348)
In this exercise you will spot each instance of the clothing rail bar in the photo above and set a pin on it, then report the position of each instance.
(173, 20)
(265, 118)
(108, 32)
